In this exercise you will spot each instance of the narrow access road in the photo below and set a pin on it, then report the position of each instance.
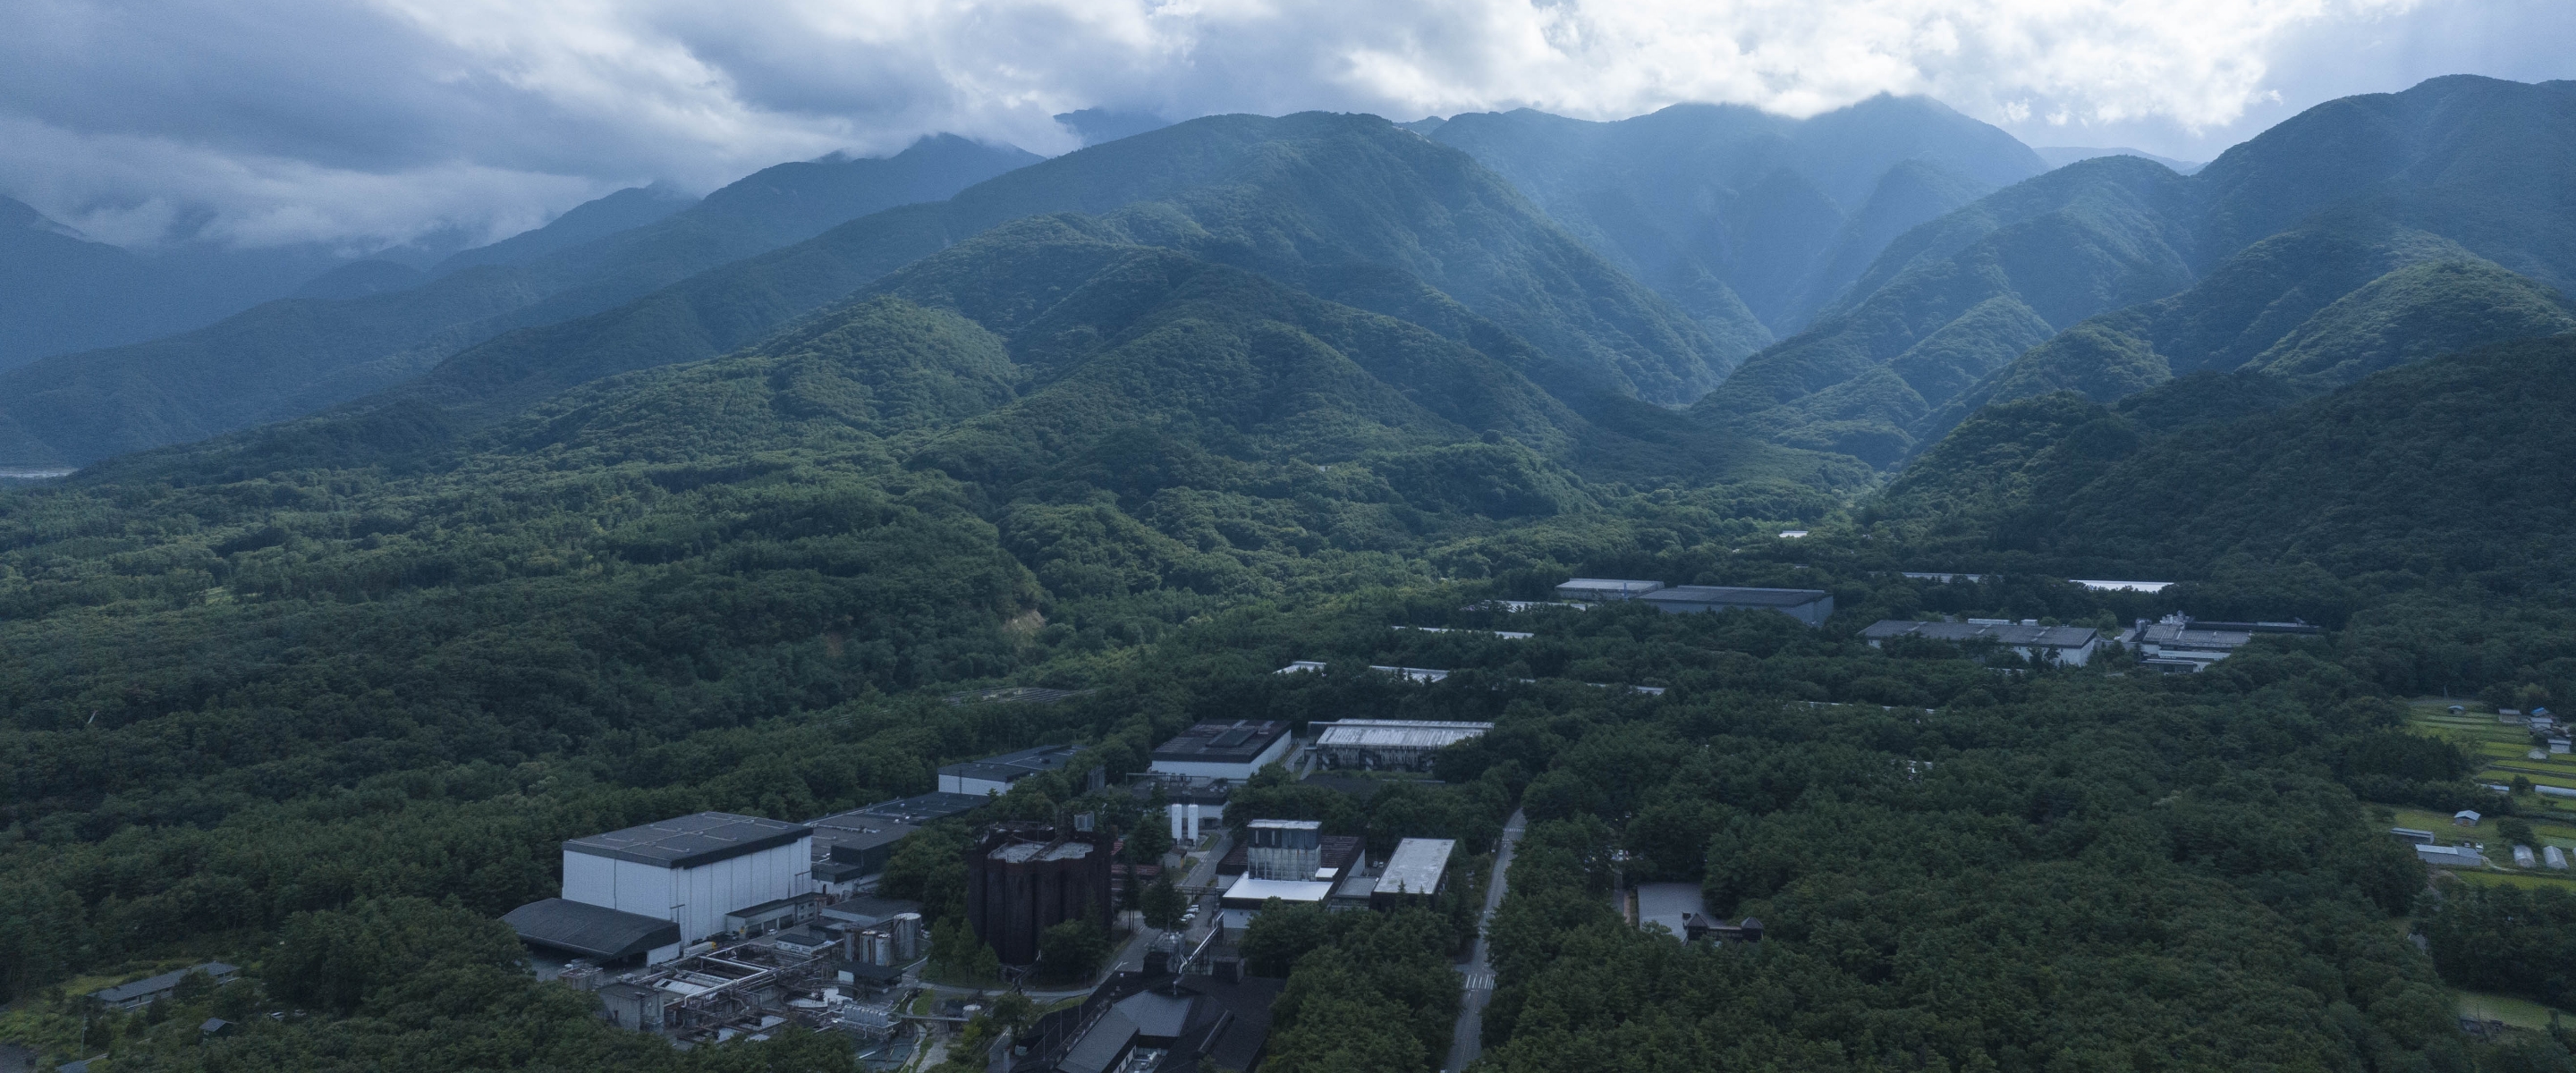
(1468, 1042)
(1131, 957)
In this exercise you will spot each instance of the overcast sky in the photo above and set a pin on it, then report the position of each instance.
(369, 121)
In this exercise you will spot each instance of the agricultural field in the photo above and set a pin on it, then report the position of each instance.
(2520, 1013)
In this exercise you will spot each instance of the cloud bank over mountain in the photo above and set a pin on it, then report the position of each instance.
(274, 121)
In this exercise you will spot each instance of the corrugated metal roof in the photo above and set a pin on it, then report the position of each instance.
(1396, 733)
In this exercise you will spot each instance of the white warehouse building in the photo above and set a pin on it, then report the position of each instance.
(691, 870)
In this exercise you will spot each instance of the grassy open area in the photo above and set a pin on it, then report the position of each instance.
(2535, 878)
(2520, 1013)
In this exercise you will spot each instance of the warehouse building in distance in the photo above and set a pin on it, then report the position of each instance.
(995, 774)
(2181, 644)
(1809, 606)
(643, 893)
(1388, 744)
(2073, 646)
(1604, 589)
(1223, 750)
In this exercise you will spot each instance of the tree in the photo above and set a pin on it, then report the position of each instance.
(1282, 934)
(1070, 951)
(1163, 904)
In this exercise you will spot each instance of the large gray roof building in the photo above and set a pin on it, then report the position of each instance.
(1230, 749)
(2070, 645)
(995, 774)
(1810, 606)
(1604, 588)
(1388, 744)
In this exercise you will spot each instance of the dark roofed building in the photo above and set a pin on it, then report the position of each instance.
(1810, 606)
(920, 809)
(602, 934)
(690, 841)
(851, 849)
(1023, 878)
(1223, 750)
(995, 774)
(1155, 1023)
(2071, 645)
(144, 992)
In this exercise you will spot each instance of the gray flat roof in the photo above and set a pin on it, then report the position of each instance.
(594, 930)
(1012, 767)
(1628, 586)
(152, 985)
(1239, 741)
(1734, 597)
(689, 841)
(2015, 634)
(1416, 866)
(922, 808)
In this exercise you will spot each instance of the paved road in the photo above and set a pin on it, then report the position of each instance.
(1132, 956)
(1469, 1041)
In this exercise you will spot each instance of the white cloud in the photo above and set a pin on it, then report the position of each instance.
(343, 119)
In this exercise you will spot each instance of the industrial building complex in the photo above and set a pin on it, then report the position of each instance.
(1023, 878)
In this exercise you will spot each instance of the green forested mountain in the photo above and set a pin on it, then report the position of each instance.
(1957, 298)
(1153, 419)
(1726, 209)
(2439, 472)
(295, 356)
(61, 291)
(1347, 207)
(2273, 232)
(2319, 306)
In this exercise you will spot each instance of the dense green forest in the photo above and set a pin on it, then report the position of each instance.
(1154, 419)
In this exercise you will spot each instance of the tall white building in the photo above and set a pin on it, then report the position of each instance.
(691, 870)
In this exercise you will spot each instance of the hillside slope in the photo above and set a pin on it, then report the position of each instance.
(2303, 214)
(295, 356)
(1349, 208)
(2321, 305)
(2448, 467)
(1721, 206)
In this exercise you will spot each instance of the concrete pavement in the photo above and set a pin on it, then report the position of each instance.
(1468, 1042)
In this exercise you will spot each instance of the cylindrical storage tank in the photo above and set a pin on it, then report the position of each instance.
(1194, 823)
(1177, 832)
(907, 936)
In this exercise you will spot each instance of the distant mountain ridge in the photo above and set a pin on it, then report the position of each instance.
(1729, 210)
(1349, 208)
(292, 357)
(1948, 317)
